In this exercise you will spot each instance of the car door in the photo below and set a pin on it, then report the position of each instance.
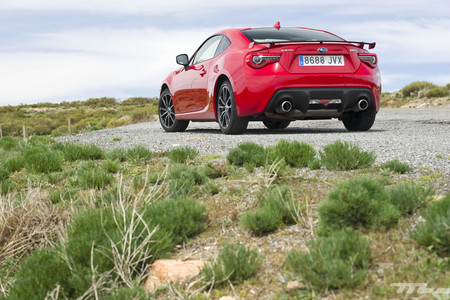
(192, 95)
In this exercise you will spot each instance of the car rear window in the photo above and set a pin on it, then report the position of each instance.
(273, 35)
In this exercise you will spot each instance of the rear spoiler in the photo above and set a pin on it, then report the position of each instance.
(359, 44)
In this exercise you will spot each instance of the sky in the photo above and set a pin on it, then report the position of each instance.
(67, 50)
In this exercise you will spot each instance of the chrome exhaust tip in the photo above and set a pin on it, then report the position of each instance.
(286, 106)
(363, 104)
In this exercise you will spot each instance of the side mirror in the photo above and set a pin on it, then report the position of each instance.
(183, 60)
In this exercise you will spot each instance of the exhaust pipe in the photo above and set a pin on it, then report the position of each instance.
(363, 104)
(284, 107)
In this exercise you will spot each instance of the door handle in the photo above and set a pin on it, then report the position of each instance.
(202, 72)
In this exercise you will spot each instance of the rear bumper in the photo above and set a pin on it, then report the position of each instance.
(318, 103)
(257, 90)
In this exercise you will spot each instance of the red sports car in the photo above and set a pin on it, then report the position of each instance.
(275, 75)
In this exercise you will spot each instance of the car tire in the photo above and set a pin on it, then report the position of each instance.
(276, 124)
(227, 116)
(361, 121)
(166, 113)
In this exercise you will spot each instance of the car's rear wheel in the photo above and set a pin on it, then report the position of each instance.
(166, 114)
(276, 124)
(361, 121)
(227, 116)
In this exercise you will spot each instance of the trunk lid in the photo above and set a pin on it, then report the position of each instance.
(326, 58)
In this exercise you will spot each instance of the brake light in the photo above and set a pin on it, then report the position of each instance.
(259, 60)
(369, 59)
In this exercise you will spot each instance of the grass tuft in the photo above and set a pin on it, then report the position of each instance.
(182, 154)
(249, 155)
(337, 261)
(344, 156)
(396, 166)
(294, 153)
(235, 264)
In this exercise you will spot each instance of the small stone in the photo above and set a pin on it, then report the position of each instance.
(164, 271)
(295, 285)
(227, 298)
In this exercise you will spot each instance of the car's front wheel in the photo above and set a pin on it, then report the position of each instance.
(166, 113)
(361, 121)
(227, 116)
(276, 124)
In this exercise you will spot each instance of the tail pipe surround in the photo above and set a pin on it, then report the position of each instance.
(362, 104)
(284, 106)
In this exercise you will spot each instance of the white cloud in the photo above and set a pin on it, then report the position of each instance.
(74, 64)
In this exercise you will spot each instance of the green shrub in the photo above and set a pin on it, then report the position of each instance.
(262, 220)
(39, 274)
(139, 154)
(91, 176)
(357, 202)
(235, 263)
(4, 174)
(294, 153)
(182, 217)
(249, 155)
(117, 154)
(278, 198)
(111, 166)
(74, 152)
(396, 166)
(436, 92)
(182, 154)
(315, 164)
(408, 197)
(337, 261)
(63, 194)
(40, 159)
(15, 163)
(8, 143)
(6, 186)
(345, 156)
(415, 87)
(133, 293)
(183, 179)
(434, 233)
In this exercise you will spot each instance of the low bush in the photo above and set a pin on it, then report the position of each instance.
(262, 220)
(139, 154)
(396, 166)
(182, 217)
(294, 153)
(91, 176)
(235, 263)
(39, 274)
(415, 87)
(8, 143)
(74, 152)
(111, 166)
(40, 159)
(315, 164)
(62, 195)
(337, 261)
(182, 154)
(4, 174)
(183, 179)
(117, 154)
(14, 163)
(357, 202)
(436, 92)
(345, 156)
(249, 155)
(275, 209)
(434, 233)
(408, 197)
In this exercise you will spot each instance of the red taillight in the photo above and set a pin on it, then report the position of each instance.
(369, 59)
(259, 60)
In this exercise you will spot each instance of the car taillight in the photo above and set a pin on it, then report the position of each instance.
(259, 60)
(369, 59)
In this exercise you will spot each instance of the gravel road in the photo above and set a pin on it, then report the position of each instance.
(420, 137)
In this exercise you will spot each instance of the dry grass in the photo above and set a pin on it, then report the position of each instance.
(27, 224)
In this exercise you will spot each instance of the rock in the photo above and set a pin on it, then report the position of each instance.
(227, 298)
(164, 271)
(295, 285)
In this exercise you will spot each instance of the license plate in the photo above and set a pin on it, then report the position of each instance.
(321, 60)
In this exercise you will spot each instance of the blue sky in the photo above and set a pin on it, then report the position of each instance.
(55, 50)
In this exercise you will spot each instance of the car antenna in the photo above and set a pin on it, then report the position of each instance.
(277, 25)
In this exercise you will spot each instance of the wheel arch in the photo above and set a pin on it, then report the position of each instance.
(163, 87)
(221, 79)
